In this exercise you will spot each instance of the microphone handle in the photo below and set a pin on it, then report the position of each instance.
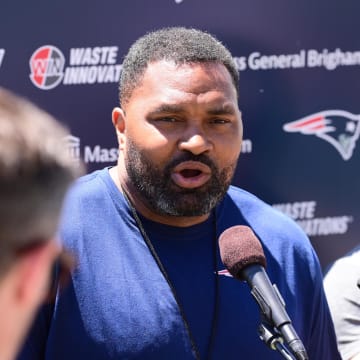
(272, 307)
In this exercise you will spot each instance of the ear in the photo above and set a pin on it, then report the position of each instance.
(33, 273)
(118, 120)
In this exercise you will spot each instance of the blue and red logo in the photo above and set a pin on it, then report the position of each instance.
(47, 67)
(339, 128)
(224, 272)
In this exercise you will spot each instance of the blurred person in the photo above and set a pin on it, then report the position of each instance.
(343, 294)
(150, 282)
(35, 172)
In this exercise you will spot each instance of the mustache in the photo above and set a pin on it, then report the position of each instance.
(188, 156)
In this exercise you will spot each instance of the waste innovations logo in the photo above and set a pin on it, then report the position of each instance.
(90, 154)
(339, 128)
(91, 65)
(47, 65)
(2, 55)
(304, 214)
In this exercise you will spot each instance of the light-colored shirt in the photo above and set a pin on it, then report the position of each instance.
(343, 296)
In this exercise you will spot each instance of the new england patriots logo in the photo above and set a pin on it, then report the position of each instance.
(340, 128)
(224, 272)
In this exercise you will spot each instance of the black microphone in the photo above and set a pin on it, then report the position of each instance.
(243, 256)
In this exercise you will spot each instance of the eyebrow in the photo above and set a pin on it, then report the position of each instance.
(222, 110)
(226, 109)
(167, 108)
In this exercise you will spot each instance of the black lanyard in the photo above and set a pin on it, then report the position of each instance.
(156, 257)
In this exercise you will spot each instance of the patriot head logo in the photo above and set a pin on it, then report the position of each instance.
(339, 128)
(46, 66)
(224, 272)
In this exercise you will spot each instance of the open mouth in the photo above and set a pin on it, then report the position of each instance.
(188, 173)
(191, 174)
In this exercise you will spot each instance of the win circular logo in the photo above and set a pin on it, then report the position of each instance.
(47, 67)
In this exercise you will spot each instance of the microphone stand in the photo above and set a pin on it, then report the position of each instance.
(274, 340)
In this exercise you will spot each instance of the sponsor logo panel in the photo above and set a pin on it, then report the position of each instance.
(90, 65)
(304, 58)
(89, 154)
(95, 65)
(303, 212)
(339, 128)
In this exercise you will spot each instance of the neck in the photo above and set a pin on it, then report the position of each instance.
(7, 349)
(12, 324)
(142, 207)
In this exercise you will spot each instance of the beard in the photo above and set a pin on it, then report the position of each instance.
(163, 196)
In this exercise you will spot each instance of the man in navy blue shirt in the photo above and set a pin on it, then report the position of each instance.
(150, 282)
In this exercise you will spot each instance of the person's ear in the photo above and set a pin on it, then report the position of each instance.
(33, 273)
(118, 120)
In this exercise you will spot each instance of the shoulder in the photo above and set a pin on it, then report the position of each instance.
(93, 190)
(285, 244)
(89, 199)
(87, 185)
(262, 217)
(344, 274)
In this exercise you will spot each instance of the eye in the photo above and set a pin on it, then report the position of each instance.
(167, 119)
(219, 121)
(168, 123)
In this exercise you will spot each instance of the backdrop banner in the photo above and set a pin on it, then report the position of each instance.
(299, 66)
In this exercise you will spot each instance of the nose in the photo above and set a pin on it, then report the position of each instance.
(195, 141)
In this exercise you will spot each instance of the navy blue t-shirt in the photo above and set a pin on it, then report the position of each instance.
(120, 306)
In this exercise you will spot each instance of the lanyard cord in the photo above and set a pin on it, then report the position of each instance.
(153, 252)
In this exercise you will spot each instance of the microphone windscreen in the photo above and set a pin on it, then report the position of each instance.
(239, 248)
